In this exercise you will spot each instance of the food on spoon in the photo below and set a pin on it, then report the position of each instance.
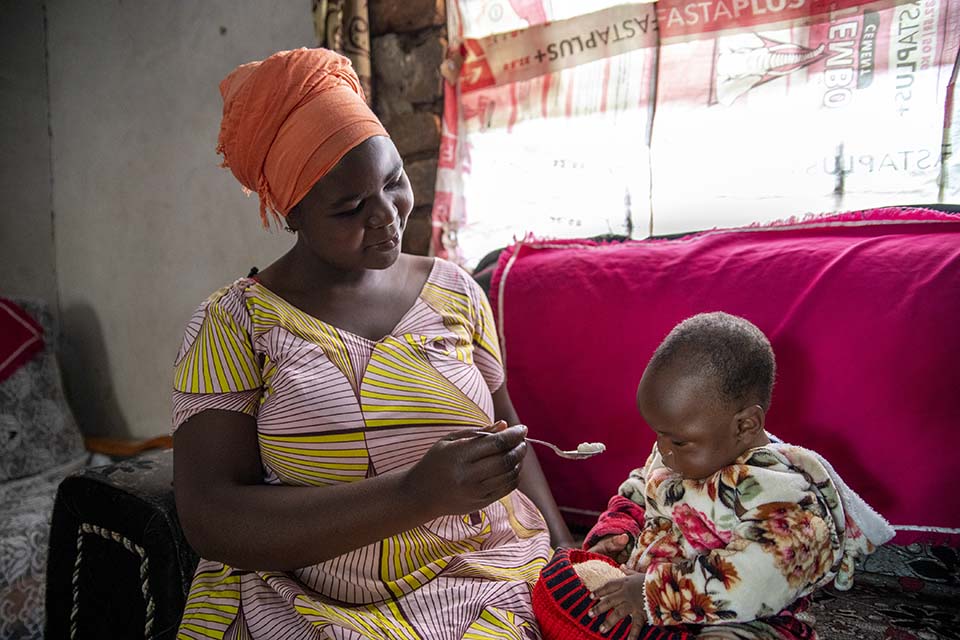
(591, 447)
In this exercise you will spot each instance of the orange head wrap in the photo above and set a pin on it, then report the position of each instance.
(288, 120)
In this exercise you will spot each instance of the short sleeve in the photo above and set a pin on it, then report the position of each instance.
(486, 345)
(216, 367)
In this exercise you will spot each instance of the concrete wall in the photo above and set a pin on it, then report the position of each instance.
(26, 228)
(147, 224)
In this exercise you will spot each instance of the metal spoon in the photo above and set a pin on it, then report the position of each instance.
(573, 454)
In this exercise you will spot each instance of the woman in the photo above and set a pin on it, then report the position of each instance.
(327, 462)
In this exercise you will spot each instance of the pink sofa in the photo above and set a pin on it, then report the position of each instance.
(863, 310)
(579, 321)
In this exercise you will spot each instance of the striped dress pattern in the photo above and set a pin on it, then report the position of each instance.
(334, 407)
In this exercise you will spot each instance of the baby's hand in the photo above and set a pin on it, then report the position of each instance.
(614, 547)
(619, 599)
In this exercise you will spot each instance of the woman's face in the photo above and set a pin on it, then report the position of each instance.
(353, 217)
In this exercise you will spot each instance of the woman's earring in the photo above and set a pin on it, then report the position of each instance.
(289, 230)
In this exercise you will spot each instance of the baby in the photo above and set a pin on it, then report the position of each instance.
(725, 525)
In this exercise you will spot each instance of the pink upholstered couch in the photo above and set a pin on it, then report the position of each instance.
(863, 310)
(863, 313)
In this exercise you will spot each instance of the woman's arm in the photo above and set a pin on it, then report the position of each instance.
(229, 515)
(532, 482)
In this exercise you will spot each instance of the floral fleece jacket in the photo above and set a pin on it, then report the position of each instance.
(739, 545)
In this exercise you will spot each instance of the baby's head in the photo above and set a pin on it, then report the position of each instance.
(705, 392)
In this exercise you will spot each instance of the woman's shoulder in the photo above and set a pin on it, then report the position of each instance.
(236, 291)
(224, 310)
(230, 300)
(421, 267)
(453, 277)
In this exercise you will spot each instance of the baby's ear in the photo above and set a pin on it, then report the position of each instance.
(750, 421)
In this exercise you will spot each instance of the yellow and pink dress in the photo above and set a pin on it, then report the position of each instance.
(334, 407)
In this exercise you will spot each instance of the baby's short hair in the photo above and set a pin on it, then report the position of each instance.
(729, 349)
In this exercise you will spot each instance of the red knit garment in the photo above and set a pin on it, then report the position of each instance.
(561, 602)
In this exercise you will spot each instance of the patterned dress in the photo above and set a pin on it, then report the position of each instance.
(334, 407)
(738, 551)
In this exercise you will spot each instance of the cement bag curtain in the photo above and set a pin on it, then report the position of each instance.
(683, 115)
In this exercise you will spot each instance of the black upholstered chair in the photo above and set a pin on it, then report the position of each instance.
(119, 566)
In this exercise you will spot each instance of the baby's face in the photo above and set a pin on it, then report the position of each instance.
(695, 436)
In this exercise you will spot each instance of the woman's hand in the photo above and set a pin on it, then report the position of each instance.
(532, 483)
(619, 599)
(613, 546)
(465, 472)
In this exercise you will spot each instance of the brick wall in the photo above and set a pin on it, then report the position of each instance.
(409, 39)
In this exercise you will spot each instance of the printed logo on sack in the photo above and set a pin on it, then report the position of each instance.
(846, 56)
(745, 62)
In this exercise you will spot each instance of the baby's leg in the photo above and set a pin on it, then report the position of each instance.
(776, 628)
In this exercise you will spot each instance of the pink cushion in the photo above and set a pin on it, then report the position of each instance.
(862, 310)
(21, 338)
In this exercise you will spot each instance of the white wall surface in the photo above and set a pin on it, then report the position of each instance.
(26, 229)
(147, 223)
